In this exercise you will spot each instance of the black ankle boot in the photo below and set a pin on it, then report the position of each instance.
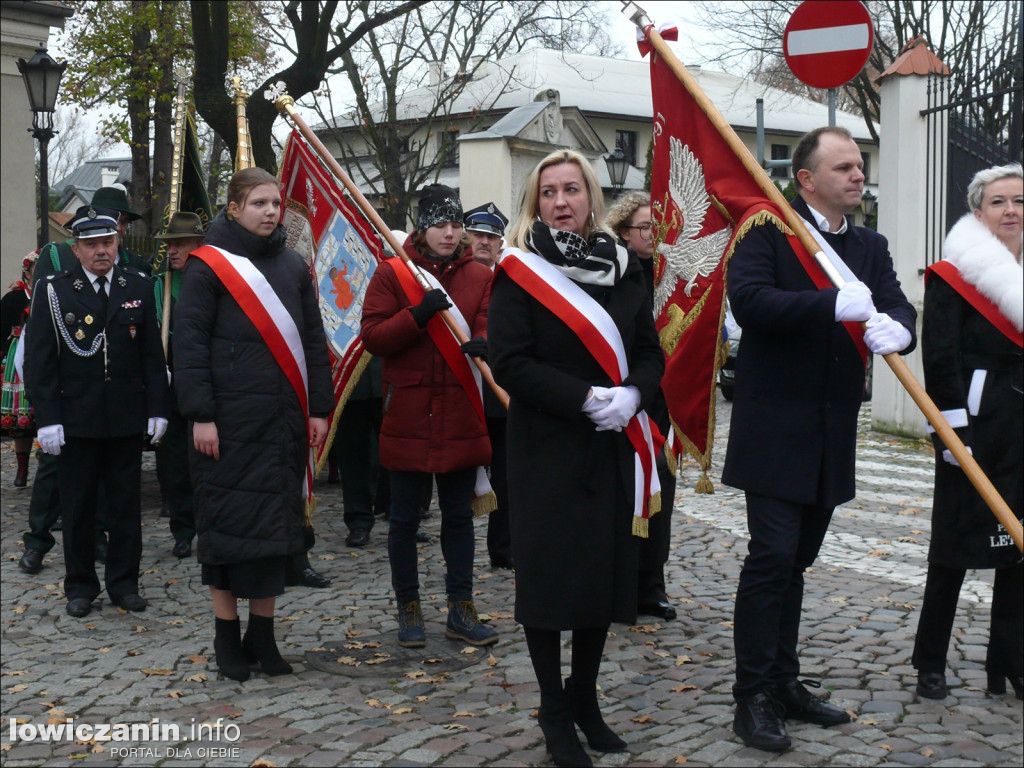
(21, 478)
(997, 683)
(259, 643)
(227, 645)
(587, 714)
(555, 720)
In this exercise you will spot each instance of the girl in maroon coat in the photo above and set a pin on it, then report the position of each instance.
(431, 426)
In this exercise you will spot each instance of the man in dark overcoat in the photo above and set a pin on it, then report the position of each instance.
(799, 386)
(96, 376)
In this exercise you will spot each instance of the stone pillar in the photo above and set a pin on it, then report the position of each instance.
(902, 201)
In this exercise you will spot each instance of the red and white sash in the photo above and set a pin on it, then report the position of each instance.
(263, 307)
(598, 332)
(948, 271)
(450, 349)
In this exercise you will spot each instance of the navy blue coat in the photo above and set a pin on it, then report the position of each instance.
(799, 376)
(72, 390)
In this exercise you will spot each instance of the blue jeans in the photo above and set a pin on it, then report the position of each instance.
(454, 495)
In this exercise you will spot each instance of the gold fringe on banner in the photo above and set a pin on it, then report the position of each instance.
(357, 373)
(484, 505)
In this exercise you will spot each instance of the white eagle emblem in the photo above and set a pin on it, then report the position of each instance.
(689, 257)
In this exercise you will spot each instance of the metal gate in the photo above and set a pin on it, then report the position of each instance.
(958, 147)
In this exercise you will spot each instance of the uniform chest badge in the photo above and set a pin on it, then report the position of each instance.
(121, 281)
(79, 334)
(135, 304)
(69, 318)
(88, 319)
(78, 285)
(132, 331)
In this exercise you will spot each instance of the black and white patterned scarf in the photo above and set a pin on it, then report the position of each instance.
(599, 261)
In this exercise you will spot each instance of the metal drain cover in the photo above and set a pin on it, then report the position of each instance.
(382, 656)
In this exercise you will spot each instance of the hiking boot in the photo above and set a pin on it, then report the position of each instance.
(410, 625)
(464, 624)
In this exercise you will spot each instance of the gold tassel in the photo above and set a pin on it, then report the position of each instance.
(654, 504)
(670, 458)
(640, 526)
(704, 484)
(309, 506)
(484, 505)
(357, 374)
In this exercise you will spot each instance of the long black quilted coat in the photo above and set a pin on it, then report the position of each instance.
(248, 503)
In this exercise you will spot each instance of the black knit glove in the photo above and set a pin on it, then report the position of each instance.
(476, 347)
(433, 301)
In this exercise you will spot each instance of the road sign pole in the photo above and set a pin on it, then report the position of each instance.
(832, 107)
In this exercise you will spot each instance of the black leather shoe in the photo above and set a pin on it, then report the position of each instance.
(133, 603)
(358, 537)
(182, 548)
(422, 536)
(31, 561)
(663, 610)
(932, 685)
(311, 578)
(78, 607)
(502, 561)
(759, 725)
(800, 704)
(101, 552)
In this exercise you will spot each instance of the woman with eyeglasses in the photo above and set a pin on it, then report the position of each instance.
(630, 219)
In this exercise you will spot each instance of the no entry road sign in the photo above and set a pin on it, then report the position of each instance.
(827, 43)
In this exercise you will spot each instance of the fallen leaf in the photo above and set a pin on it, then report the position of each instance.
(646, 629)
(17, 688)
(927, 752)
(464, 714)
(684, 687)
(197, 659)
(491, 661)
(163, 672)
(455, 727)
(199, 677)
(132, 653)
(680, 760)
(401, 711)
(680, 660)
(886, 747)
(373, 703)
(469, 649)
(20, 609)
(348, 660)
(641, 719)
(432, 661)
(98, 749)
(415, 674)
(176, 694)
(14, 672)
(422, 698)
(171, 581)
(175, 622)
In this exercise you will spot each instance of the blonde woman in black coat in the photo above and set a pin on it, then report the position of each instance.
(971, 345)
(571, 466)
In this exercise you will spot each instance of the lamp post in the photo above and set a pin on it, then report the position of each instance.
(42, 80)
(868, 204)
(618, 166)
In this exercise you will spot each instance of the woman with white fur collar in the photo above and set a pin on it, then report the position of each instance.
(971, 345)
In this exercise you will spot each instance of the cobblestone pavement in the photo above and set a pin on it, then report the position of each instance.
(355, 700)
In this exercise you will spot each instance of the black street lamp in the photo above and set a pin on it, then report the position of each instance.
(618, 167)
(42, 80)
(868, 205)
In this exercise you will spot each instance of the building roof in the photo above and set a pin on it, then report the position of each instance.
(598, 86)
(88, 177)
(916, 58)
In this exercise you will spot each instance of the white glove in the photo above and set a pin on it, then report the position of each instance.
(156, 428)
(168, 373)
(51, 438)
(598, 399)
(884, 335)
(949, 458)
(854, 302)
(617, 411)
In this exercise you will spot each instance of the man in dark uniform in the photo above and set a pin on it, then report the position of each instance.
(485, 226)
(184, 234)
(96, 376)
(43, 506)
(799, 385)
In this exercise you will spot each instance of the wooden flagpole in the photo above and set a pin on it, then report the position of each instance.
(906, 377)
(286, 105)
(178, 152)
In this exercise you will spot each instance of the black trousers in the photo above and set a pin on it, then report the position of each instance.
(784, 540)
(499, 537)
(454, 496)
(172, 472)
(85, 466)
(941, 592)
(654, 549)
(355, 449)
(44, 508)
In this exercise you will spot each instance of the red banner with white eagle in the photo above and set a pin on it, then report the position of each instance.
(701, 194)
(342, 250)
